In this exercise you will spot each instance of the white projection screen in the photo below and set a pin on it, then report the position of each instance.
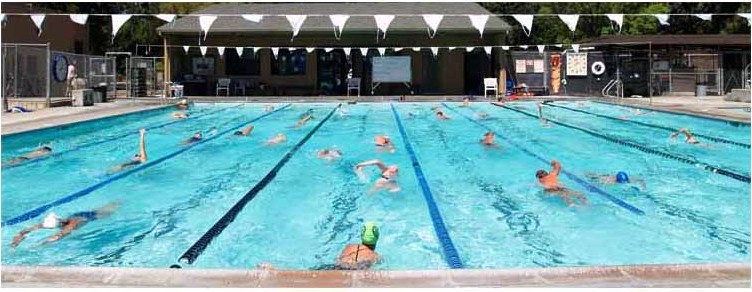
(392, 69)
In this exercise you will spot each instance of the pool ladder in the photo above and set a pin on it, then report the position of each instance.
(616, 84)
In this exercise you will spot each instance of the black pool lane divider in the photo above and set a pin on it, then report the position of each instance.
(190, 255)
(113, 138)
(630, 144)
(41, 209)
(711, 138)
(590, 187)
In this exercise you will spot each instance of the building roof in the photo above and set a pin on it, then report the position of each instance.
(189, 24)
(669, 39)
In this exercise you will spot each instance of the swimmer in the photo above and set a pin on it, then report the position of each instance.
(384, 143)
(41, 152)
(213, 131)
(481, 116)
(137, 159)
(465, 102)
(276, 139)
(245, 132)
(329, 154)
(360, 256)
(620, 177)
(550, 182)
(690, 139)
(67, 225)
(388, 179)
(193, 139)
(441, 116)
(303, 121)
(488, 140)
(179, 115)
(268, 108)
(183, 105)
(342, 112)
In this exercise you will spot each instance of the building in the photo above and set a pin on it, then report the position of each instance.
(324, 72)
(58, 30)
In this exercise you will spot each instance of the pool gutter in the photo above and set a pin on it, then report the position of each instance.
(683, 275)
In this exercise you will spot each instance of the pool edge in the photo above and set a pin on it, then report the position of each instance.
(662, 275)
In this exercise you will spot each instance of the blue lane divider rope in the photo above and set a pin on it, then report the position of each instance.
(630, 144)
(113, 138)
(190, 255)
(450, 252)
(41, 209)
(711, 138)
(590, 187)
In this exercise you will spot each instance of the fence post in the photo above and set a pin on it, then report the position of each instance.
(49, 65)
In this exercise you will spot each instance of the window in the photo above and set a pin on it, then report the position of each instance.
(289, 63)
(247, 65)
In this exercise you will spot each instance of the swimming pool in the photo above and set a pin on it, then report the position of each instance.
(462, 205)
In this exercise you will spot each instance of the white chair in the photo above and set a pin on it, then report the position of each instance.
(490, 84)
(240, 88)
(176, 90)
(223, 84)
(353, 83)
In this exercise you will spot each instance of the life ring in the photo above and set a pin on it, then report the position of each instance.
(598, 68)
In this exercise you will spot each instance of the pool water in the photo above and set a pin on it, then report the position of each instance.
(488, 198)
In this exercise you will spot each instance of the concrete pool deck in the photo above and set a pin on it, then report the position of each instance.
(709, 106)
(726, 275)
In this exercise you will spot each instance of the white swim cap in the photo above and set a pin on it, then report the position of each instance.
(51, 221)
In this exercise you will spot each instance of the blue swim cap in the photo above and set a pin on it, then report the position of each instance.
(622, 177)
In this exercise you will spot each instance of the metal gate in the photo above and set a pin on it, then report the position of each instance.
(102, 73)
(26, 71)
(147, 76)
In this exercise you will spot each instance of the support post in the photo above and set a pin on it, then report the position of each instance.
(48, 75)
(650, 71)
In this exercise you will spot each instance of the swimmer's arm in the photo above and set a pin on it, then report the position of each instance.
(557, 167)
(67, 229)
(20, 236)
(376, 162)
(641, 183)
(142, 146)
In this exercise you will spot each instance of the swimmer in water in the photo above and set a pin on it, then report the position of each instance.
(690, 139)
(179, 115)
(384, 143)
(245, 132)
(481, 116)
(276, 139)
(388, 179)
(550, 183)
(303, 121)
(137, 159)
(488, 140)
(441, 116)
(360, 256)
(620, 177)
(41, 152)
(193, 139)
(544, 123)
(67, 225)
(213, 131)
(268, 108)
(183, 105)
(465, 102)
(329, 154)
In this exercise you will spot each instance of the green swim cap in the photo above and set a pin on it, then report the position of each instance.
(370, 234)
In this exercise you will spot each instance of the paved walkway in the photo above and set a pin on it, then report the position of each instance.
(20, 122)
(710, 106)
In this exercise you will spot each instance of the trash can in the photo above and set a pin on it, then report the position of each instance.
(100, 93)
(701, 90)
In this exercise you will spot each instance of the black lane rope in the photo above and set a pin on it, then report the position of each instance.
(728, 173)
(711, 138)
(31, 214)
(190, 255)
(590, 187)
(113, 138)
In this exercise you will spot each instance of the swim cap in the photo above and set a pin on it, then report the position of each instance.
(622, 177)
(51, 221)
(370, 234)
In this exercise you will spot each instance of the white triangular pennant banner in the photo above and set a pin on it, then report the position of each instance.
(570, 20)
(79, 18)
(186, 48)
(662, 18)
(706, 17)
(469, 49)
(203, 51)
(524, 47)
(451, 48)
(206, 22)
(382, 51)
(117, 22)
(618, 18)
(576, 48)
(479, 22)
(338, 21)
(382, 22)
(506, 48)
(328, 49)
(38, 20)
(310, 50)
(364, 52)
(166, 17)
(541, 48)
(433, 21)
(488, 50)
(397, 49)
(748, 16)
(255, 50)
(239, 50)
(296, 21)
(2, 17)
(416, 49)
(435, 51)
(275, 52)
(526, 20)
(347, 51)
(253, 17)
(221, 51)
(558, 45)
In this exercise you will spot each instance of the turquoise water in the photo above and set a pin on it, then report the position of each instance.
(489, 200)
